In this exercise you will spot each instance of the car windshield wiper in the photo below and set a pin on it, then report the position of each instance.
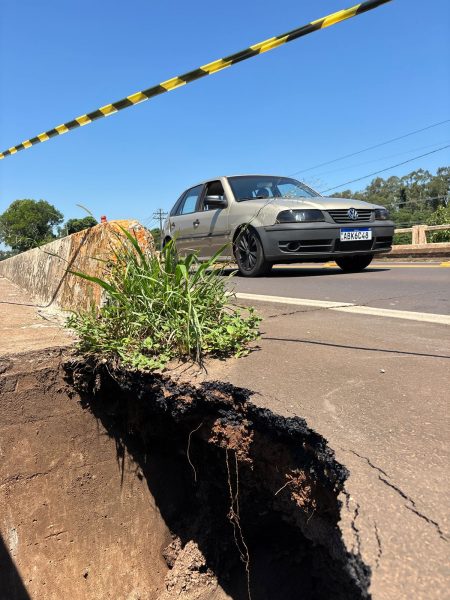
(255, 198)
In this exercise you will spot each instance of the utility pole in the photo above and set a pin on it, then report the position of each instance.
(160, 215)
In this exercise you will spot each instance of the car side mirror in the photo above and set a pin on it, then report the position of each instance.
(215, 201)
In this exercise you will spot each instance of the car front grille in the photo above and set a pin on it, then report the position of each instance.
(341, 216)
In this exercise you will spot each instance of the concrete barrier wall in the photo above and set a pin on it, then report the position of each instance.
(434, 250)
(43, 271)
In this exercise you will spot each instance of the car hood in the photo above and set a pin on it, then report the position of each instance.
(323, 203)
(265, 211)
(319, 202)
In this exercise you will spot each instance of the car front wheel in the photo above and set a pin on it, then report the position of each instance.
(353, 264)
(249, 254)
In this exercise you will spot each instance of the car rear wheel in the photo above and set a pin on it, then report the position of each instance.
(353, 264)
(249, 254)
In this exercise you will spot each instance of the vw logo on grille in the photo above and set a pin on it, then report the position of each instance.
(352, 214)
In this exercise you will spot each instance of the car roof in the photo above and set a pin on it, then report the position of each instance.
(238, 175)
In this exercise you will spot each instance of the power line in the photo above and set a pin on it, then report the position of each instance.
(386, 169)
(148, 222)
(368, 162)
(401, 137)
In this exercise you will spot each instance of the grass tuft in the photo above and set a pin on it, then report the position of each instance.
(160, 308)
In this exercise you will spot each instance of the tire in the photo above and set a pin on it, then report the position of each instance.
(249, 254)
(174, 252)
(354, 264)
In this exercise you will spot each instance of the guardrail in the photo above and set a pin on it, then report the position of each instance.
(420, 246)
(419, 232)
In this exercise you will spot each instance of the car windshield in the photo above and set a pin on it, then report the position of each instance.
(252, 187)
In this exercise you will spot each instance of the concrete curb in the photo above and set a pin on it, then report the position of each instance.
(439, 250)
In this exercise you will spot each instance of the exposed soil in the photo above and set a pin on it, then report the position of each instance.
(72, 523)
(251, 498)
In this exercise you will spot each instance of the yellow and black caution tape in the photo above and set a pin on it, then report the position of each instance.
(209, 69)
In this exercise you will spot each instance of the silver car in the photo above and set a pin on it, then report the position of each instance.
(261, 220)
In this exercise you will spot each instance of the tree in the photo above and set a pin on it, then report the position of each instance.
(411, 199)
(74, 225)
(28, 223)
(440, 217)
(4, 254)
(416, 184)
(439, 188)
(345, 194)
(403, 199)
(156, 237)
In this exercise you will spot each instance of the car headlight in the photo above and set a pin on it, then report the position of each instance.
(381, 214)
(300, 216)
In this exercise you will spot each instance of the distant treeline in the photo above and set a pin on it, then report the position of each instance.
(412, 199)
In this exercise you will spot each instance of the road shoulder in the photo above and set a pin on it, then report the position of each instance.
(374, 387)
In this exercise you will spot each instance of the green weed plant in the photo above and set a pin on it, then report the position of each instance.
(160, 308)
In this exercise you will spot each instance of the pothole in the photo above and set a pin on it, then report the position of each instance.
(250, 497)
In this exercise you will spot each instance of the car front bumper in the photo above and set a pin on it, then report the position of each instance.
(314, 242)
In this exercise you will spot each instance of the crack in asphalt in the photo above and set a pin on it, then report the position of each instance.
(17, 303)
(369, 462)
(312, 309)
(380, 547)
(294, 312)
(413, 508)
(356, 530)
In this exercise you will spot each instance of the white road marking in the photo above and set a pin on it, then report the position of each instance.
(297, 301)
(397, 314)
(349, 307)
(373, 266)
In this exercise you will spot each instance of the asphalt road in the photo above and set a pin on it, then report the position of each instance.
(419, 287)
(377, 388)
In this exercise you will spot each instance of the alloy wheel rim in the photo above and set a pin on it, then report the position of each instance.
(248, 251)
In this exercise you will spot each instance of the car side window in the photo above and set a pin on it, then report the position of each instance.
(176, 206)
(189, 202)
(213, 188)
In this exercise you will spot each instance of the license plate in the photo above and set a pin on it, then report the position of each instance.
(349, 234)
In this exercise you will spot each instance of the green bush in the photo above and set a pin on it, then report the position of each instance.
(441, 216)
(159, 308)
(402, 238)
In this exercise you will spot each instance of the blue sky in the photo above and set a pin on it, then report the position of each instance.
(374, 77)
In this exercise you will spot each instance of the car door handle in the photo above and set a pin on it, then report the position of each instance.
(196, 223)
